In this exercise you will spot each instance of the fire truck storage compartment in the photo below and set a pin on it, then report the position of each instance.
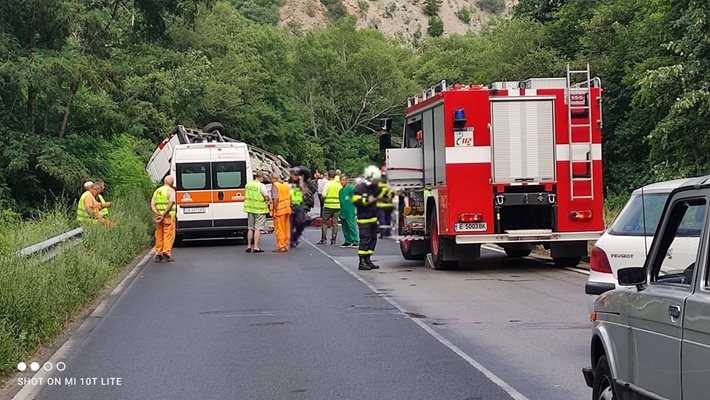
(523, 139)
(525, 207)
(404, 168)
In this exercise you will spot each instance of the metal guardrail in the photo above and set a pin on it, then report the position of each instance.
(47, 248)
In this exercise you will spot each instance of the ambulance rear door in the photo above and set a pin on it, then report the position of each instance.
(193, 180)
(229, 177)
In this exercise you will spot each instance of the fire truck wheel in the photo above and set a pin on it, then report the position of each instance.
(439, 247)
(517, 252)
(407, 248)
(567, 262)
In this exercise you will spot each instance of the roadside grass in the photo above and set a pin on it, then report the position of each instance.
(16, 234)
(37, 299)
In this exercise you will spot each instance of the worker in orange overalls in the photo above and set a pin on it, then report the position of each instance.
(163, 206)
(281, 210)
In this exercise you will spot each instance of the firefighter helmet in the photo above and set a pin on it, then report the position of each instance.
(372, 172)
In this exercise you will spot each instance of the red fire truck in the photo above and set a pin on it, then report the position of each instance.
(513, 163)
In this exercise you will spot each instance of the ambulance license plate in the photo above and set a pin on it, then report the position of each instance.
(194, 210)
(471, 227)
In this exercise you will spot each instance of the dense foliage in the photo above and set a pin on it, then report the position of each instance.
(88, 88)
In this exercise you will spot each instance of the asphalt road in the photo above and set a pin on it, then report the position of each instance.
(222, 324)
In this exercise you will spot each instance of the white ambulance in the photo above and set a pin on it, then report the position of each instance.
(210, 173)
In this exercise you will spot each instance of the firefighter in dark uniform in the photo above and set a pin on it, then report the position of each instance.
(365, 199)
(298, 217)
(384, 208)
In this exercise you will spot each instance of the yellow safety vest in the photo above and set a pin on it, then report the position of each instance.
(331, 195)
(385, 194)
(161, 200)
(104, 210)
(82, 215)
(254, 202)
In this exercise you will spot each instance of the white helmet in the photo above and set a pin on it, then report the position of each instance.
(372, 172)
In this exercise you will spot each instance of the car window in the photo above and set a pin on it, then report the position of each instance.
(680, 242)
(229, 175)
(631, 221)
(193, 176)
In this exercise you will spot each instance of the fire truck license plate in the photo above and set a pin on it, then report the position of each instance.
(471, 227)
(194, 210)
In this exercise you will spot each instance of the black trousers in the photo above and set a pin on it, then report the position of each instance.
(368, 238)
(298, 223)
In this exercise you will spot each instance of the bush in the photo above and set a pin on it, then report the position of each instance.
(491, 6)
(363, 5)
(436, 27)
(336, 9)
(37, 299)
(464, 15)
(431, 7)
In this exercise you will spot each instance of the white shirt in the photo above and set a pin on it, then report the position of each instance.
(321, 184)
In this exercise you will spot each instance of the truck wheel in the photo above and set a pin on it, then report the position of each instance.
(214, 126)
(603, 388)
(178, 240)
(517, 252)
(567, 262)
(438, 248)
(406, 247)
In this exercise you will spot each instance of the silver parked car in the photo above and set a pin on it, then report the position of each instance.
(651, 336)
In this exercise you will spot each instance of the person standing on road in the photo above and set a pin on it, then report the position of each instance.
(331, 208)
(281, 206)
(256, 206)
(365, 200)
(105, 205)
(384, 208)
(347, 214)
(321, 181)
(298, 213)
(163, 206)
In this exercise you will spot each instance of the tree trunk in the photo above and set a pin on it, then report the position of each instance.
(65, 119)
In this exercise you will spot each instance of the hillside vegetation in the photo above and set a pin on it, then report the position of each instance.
(88, 88)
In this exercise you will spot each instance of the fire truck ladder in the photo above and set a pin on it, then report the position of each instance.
(581, 118)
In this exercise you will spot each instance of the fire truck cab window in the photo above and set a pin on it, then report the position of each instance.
(193, 176)
(413, 129)
(228, 175)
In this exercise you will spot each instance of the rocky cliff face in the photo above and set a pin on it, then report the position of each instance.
(398, 18)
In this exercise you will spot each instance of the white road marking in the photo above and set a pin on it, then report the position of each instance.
(577, 270)
(31, 391)
(514, 394)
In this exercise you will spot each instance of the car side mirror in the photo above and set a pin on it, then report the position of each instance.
(632, 276)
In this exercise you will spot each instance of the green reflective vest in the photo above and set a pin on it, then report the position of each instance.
(296, 195)
(161, 200)
(104, 210)
(331, 195)
(254, 202)
(82, 215)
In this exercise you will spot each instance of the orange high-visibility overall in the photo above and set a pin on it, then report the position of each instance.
(282, 216)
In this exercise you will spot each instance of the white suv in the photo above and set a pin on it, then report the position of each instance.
(622, 245)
